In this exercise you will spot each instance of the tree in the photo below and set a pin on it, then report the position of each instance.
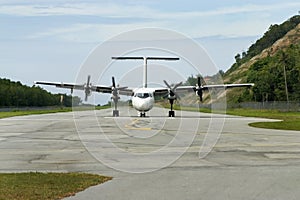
(268, 76)
(17, 95)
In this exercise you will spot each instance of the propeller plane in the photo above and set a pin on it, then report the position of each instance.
(142, 98)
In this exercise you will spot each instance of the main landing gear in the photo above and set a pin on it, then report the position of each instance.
(115, 99)
(115, 113)
(171, 112)
(115, 96)
(172, 96)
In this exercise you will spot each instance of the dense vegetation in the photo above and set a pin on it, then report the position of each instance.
(14, 94)
(274, 33)
(268, 75)
(277, 75)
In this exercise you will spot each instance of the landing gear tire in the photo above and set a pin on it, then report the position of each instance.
(115, 113)
(142, 114)
(171, 113)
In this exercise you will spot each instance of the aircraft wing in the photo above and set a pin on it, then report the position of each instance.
(95, 88)
(160, 91)
(186, 89)
(180, 89)
(226, 86)
(108, 89)
(126, 91)
(61, 85)
(183, 89)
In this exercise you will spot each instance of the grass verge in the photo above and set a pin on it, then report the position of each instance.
(35, 185)
(289, 120)
(14, 113)
(31, 112)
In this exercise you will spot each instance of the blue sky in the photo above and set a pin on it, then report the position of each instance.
(49, 40)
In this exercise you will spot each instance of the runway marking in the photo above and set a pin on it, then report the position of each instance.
(133, 124)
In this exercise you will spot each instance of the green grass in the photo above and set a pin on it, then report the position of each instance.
(14, 113)
(21, 186)
(290, 120)
(31, 112)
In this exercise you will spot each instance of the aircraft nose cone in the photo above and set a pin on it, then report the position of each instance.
(143, 105)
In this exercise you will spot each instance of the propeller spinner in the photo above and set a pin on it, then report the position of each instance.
(172, 96)
(199, 89)
(172, 90)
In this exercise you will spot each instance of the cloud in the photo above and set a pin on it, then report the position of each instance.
(133, 16)
(90, 9)
(90, 32)
(132, 10)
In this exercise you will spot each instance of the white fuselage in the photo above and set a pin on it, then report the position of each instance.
(143, 99)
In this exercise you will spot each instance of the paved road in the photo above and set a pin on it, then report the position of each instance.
(245, 163)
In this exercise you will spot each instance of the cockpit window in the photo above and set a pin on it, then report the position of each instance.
(143, 95)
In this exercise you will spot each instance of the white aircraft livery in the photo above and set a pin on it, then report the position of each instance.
(142, 98)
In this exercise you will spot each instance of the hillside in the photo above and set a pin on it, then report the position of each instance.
(266, 68)
(14, 94)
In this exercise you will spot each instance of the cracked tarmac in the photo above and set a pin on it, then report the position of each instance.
(245, 163)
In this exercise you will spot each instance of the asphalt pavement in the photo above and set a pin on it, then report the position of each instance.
(191, 156)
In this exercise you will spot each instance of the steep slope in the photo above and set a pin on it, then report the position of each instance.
(266, 71)
(291, 38)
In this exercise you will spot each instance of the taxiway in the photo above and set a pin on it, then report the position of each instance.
(244, 163)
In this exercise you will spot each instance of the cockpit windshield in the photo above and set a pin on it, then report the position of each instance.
(143, 95)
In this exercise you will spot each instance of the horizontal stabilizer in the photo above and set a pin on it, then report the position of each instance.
(127, 58)
(142, 58)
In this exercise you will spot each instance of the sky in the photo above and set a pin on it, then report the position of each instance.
(50, 40)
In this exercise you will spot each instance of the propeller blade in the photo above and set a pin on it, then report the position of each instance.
(121, 88)
(113, 82)
(87, 89)
(177, 85)
(172, 89)
(167, 84)
(177, 96)
(88, 80)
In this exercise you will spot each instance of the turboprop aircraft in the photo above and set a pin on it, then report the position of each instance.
(142, 98)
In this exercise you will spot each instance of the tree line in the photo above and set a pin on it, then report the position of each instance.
(277, 78)
(14, 94)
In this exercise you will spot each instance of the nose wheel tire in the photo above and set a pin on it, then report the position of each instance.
(142, 114)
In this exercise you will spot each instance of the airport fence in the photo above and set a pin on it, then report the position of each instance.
(274, 105)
